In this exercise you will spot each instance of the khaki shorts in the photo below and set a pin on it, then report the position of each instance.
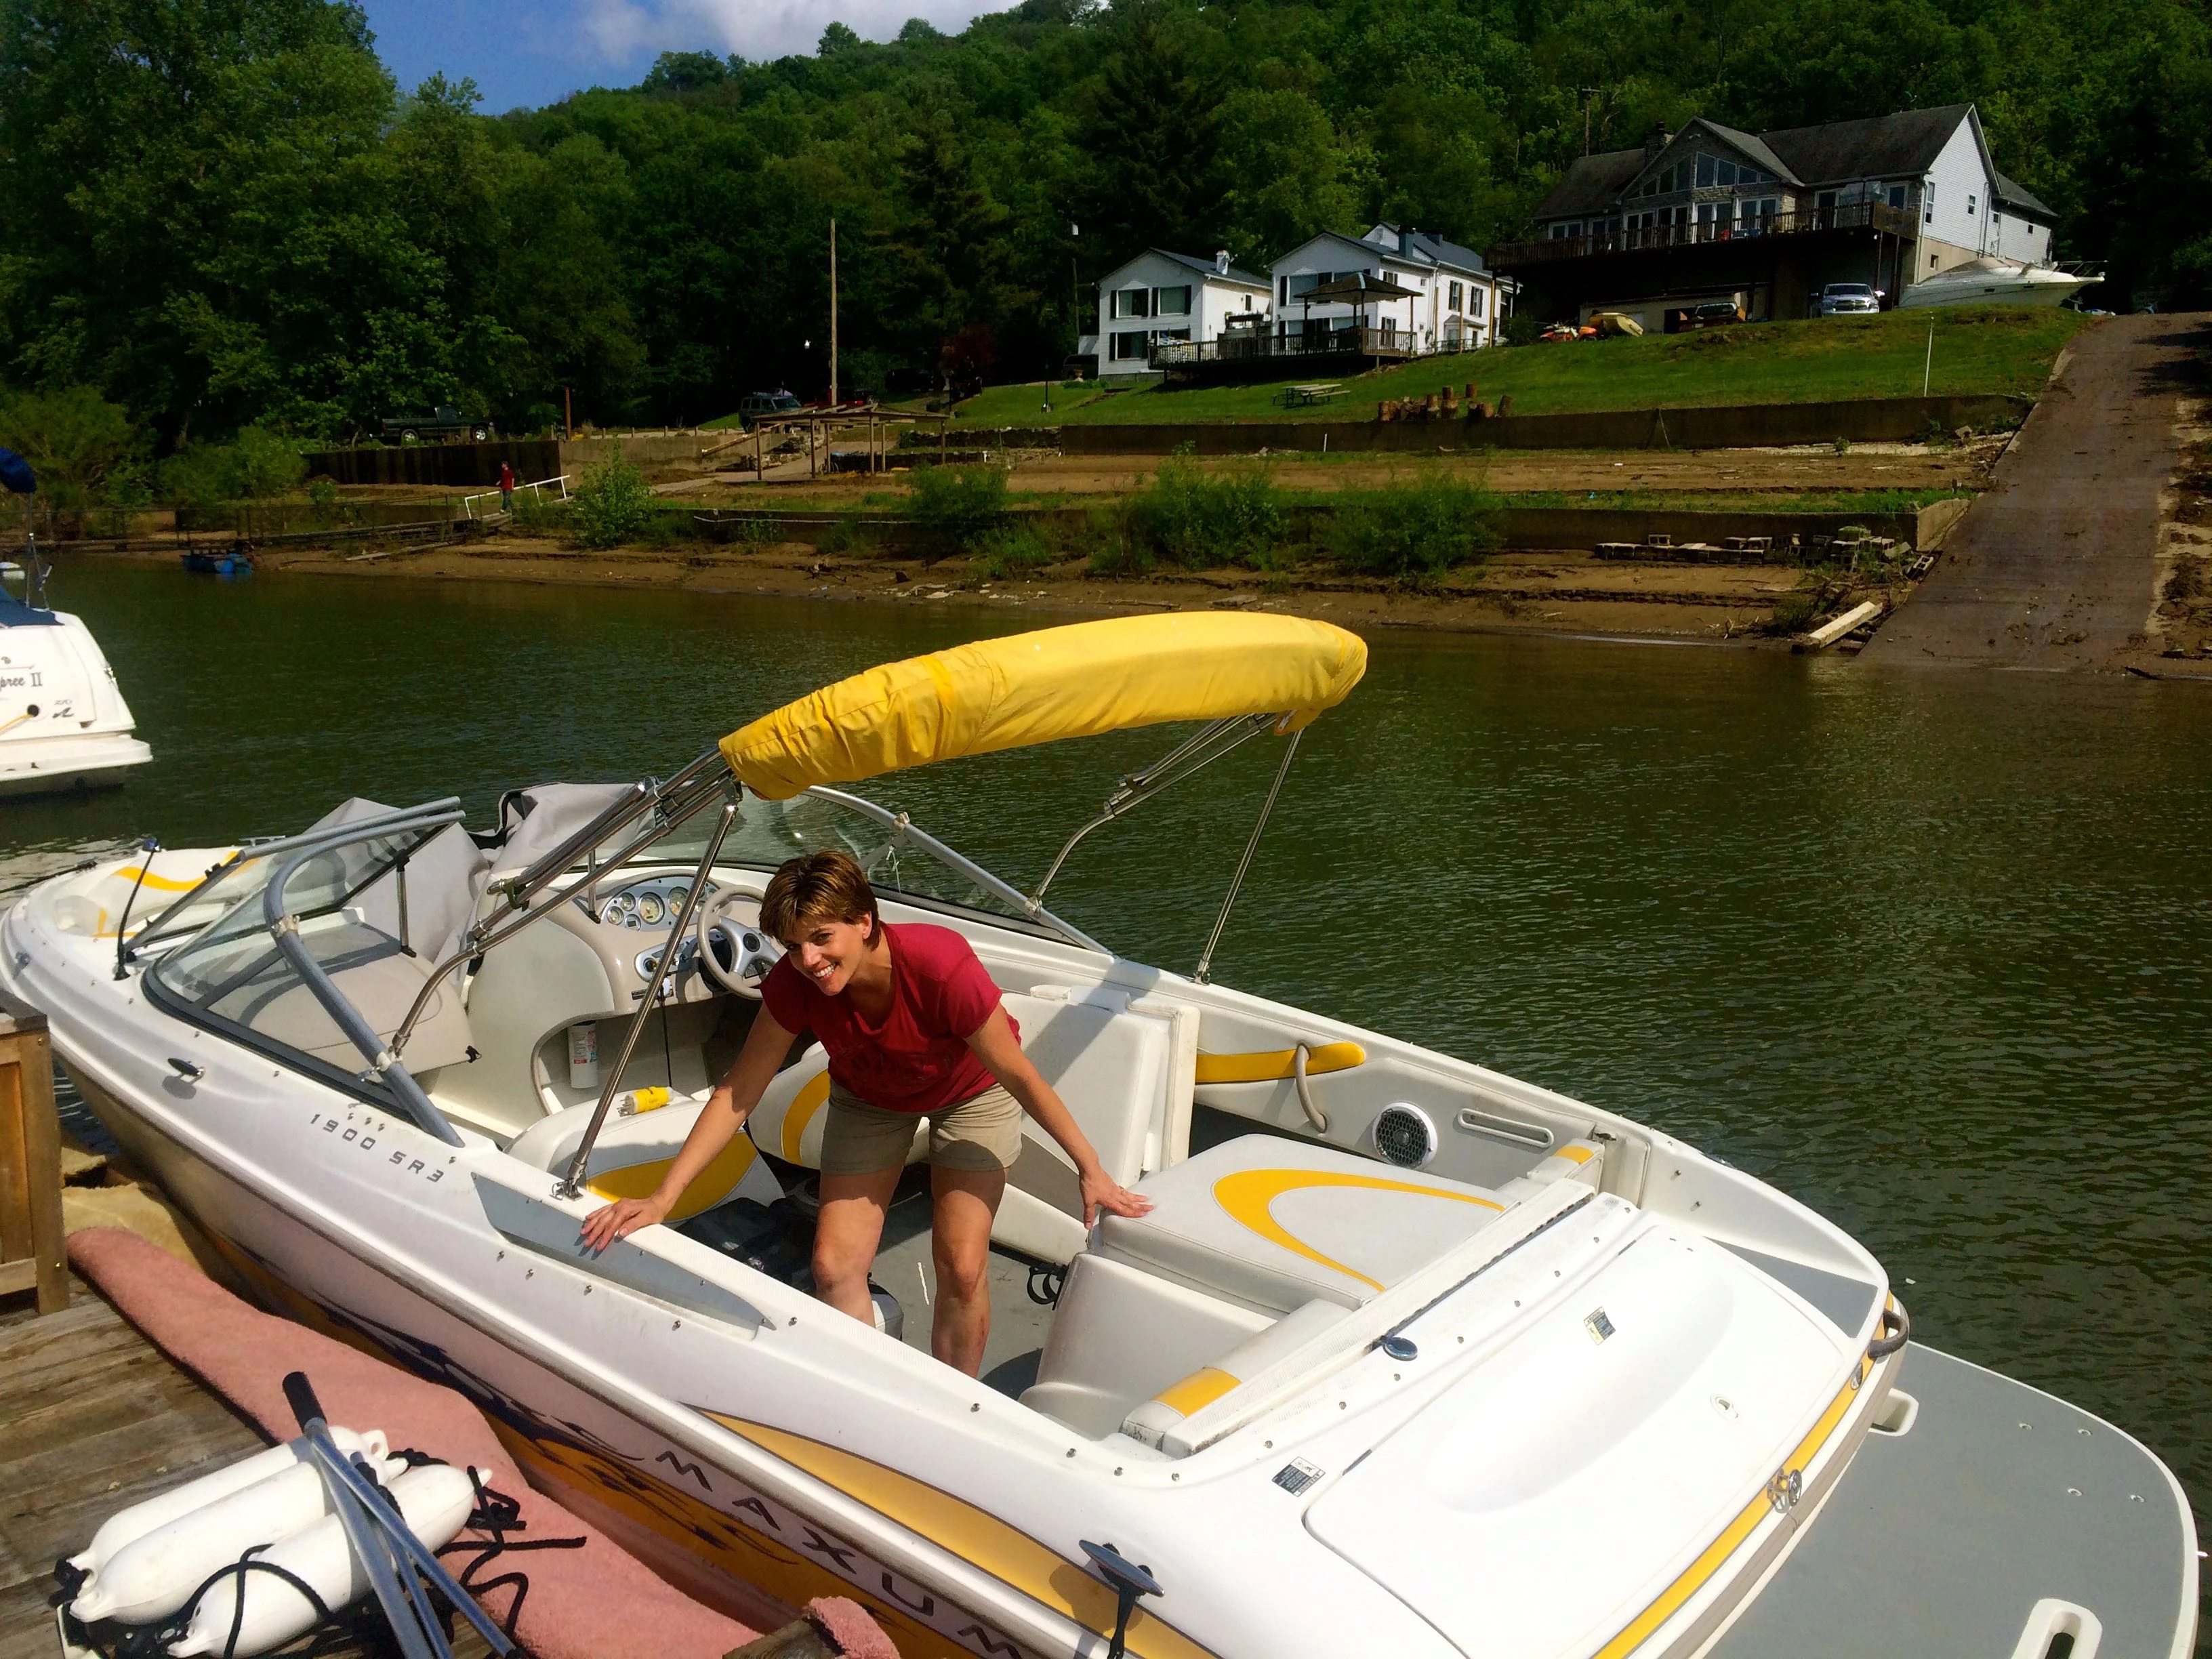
(983, 1131)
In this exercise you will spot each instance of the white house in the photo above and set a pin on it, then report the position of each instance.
(1451, 301)
(1160, 295)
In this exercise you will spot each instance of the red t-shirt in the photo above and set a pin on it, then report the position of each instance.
(918, 1059)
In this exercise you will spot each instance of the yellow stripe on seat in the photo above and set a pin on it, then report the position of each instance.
(1199, 1389)
(1249, 1195)
(808, 1101)
(709, 1187)
(1574, 1154)
(1275, 1064)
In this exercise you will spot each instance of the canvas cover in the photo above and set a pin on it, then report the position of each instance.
(1071, 682)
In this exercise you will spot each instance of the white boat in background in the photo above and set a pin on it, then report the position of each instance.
(1409, 1357)
(1993, 282)
(63, 723)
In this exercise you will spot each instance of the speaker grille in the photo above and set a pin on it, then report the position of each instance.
(1404, 1135)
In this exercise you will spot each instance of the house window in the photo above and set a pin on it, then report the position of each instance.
(1897, 197)
(1559, 233)
(1294, 286)
(1131, 343)
(1455, 298)
(1132, 302)
(1928, 203)
(1970, 207)
(1726, 173)
(1475, 303)
(1173, 301)
(1707, 169)
(1171, 334)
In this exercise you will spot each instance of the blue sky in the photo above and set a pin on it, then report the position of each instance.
(534, 51)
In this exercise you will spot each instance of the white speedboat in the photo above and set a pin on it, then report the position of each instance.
(63, 723)
(1994, 282)
(1409, 1357)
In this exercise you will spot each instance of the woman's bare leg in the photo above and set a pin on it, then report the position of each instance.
(847, 1231)
(965, 1201)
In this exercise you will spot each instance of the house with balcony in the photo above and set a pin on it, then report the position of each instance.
(1449, 299)
(1766, 220)
(1336, 304)
(1160, 297)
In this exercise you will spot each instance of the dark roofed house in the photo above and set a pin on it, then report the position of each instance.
(1766, 220)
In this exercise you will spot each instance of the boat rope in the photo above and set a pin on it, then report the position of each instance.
(498, 1513)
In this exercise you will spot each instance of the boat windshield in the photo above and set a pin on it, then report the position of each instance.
(898, 858)
(345, 901)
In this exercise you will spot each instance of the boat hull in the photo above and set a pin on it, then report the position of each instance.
(56, 765)
(736, 1548)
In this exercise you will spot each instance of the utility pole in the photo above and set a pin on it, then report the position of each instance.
(567, 413)
(833, 313)
(1074, 284)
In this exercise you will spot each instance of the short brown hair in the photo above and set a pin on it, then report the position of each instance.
(820, 887)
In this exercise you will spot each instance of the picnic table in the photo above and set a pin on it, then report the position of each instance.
(1318, 392)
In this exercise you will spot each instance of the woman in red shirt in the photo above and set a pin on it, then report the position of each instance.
(913, 1027)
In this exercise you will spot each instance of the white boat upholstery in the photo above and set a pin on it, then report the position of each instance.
(1273, 1223)
(1125, 1067)
(631, 1156)
(372, 973)
(1154, 1423)
(1121, 1336)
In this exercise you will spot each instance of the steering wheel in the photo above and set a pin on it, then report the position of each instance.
(736, 954)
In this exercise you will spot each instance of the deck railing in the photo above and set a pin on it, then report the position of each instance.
(1855, 215)
(1245, 345)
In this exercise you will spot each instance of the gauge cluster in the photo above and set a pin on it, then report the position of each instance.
(652, 903)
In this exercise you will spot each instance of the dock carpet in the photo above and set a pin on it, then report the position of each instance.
(598, 1602)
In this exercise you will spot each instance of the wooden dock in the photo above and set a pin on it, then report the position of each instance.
(96, 1417)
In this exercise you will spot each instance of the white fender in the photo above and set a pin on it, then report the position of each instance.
(125, 1525)
(155, 1574)
(434, 1500)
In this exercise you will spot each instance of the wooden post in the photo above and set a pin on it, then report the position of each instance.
(32, 1252)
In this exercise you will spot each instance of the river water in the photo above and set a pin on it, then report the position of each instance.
(1927, 950)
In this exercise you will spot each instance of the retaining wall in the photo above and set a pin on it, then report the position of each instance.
(476, 466)
(1728, 426)
(1531, 529)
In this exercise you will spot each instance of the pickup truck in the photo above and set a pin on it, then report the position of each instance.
(443, 421)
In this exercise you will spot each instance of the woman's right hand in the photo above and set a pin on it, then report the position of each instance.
(618, 1220)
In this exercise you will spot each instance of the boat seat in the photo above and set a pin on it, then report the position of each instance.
(1157, 1421)
(631, 1156)
(1273, 1224)
(372, 973)
(1124, 1066)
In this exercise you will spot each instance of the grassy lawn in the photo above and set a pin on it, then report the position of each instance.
(2004, 349)
(1023, 406)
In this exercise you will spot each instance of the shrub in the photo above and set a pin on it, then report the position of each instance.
(1416, 530)
(956, 506)
(1201, 518)
(1011, 549)
(612, 502)
(1794, 613)
(537, 514)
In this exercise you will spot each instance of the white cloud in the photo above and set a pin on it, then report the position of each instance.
(628, 30)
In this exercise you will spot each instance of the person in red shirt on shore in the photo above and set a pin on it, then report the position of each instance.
(913, 1027)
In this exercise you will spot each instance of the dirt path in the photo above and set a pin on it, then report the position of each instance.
(2056, 568)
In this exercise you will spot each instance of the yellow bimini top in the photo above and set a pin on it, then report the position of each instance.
(1056, 683)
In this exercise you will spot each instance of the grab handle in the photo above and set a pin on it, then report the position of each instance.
(1897, 1328)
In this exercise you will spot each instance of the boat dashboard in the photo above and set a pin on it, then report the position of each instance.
(653, 902)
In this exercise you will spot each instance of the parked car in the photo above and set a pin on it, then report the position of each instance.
(1845, 299)
(442, 422)
(1713, 313)
(756, 406)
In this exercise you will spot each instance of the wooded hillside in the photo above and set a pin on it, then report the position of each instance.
(224, 211)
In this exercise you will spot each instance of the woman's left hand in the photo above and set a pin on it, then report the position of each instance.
(1101, 1192)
